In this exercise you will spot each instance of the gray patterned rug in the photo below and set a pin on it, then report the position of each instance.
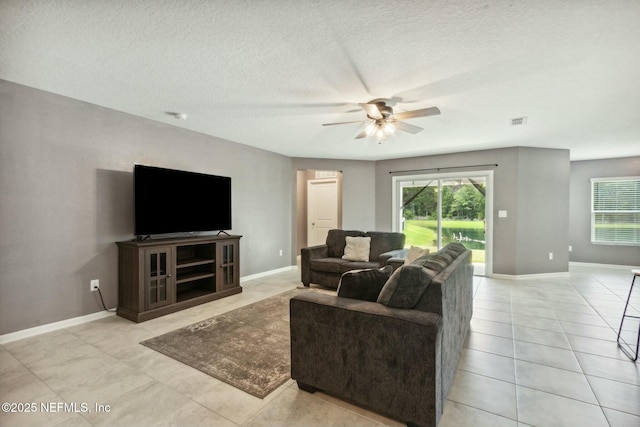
(248, 348)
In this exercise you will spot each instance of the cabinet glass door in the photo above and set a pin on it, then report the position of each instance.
(158, 278)
(227, 256)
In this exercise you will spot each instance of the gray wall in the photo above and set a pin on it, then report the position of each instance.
(580, 226)
(527, 181)
(66, 190)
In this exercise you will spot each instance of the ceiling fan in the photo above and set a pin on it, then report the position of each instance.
(382, 121)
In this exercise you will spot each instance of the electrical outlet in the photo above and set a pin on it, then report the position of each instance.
(550, 256)
(280, 252)
(94, 285)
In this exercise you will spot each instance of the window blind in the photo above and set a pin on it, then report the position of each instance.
(615, 211)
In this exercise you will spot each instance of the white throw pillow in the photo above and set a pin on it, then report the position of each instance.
(414, 253)
(357, 248)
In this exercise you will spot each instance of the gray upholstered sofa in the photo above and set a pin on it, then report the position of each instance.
(397, 354)
(324, 264)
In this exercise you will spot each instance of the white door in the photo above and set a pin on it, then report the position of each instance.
(322, 209)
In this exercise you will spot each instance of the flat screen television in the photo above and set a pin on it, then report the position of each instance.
(174, 201)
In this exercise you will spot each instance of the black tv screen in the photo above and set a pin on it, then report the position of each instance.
(173, 201)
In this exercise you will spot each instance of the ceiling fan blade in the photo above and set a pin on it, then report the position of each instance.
(406, 127)
(361, 135)
(342, 123)
(372, 110)
(424, 112)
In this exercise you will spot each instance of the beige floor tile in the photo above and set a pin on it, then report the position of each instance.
(456, 415)
(621, 419)
(155, 404)
(539, 336)
(491, 395)
(545, 355)
(487, 364)
(596, 347)
(539, 408)
(296, 408)
(498, 329)
(43, 411)
(490, 343)
(561, 382)
(616, 395)
(623, 371)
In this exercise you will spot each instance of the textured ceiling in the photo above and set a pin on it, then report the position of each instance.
(269, 73)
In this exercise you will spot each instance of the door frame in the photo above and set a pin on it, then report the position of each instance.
(487, 174)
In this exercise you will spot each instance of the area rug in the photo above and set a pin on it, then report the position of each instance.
(248, 347)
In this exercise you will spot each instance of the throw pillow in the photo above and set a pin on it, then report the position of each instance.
(414, 253)
(357, 248)
(364, 284)
(406, 286)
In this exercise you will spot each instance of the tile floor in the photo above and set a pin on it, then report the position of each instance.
(541, 352)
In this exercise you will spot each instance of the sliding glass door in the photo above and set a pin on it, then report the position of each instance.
(434, 210)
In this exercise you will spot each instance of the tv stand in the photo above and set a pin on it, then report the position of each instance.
(162, 276)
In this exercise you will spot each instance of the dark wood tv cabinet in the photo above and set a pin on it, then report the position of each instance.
(162, 276)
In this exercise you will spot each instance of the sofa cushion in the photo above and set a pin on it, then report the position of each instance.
(382, 242)
(328, 265)
(357, 248)
(406, 286)
(336, 241)
(364, 284)
(436, 261)
(454, 249)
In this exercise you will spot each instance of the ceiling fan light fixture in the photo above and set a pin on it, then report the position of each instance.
(371, 129)
(388, 128)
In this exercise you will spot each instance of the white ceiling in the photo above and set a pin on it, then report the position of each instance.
(269, 73)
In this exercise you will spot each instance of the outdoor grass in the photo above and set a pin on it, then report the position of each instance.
(422, 233)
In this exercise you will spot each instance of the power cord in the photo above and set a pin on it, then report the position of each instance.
(103, 304)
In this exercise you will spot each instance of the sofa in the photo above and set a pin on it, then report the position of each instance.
(395, 352)
(324, 264)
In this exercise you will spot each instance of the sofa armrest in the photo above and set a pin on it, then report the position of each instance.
(396, 253)
(382, 358)
(306, 255)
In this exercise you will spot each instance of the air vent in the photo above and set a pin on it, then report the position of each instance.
(326, 174)
(518, 121)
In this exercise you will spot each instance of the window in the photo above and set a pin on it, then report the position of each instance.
(615, 211)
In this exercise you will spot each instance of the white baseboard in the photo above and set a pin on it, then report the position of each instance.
(529, 276)
(268, 273)
(50, 327)
(562, 273)
(615, 266)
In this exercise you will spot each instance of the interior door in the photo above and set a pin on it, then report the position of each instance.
(322, 209)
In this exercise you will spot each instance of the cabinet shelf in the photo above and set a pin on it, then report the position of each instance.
(195, 262)
(193, 276)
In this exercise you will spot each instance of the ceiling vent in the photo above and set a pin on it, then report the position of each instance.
(326, 174)
(518, 121)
